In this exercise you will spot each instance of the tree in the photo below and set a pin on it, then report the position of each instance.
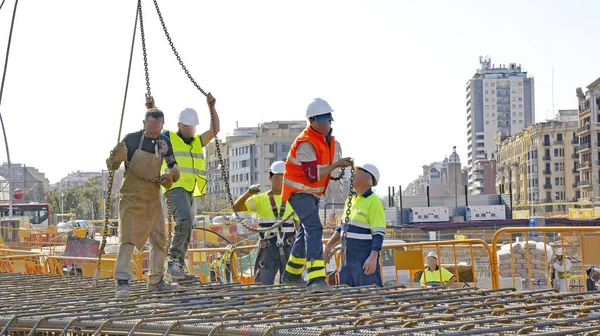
(205, 204)
(82, 200)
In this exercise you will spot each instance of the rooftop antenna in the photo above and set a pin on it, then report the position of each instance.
(553, 112)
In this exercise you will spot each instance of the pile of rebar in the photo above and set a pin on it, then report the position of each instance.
(43, 305)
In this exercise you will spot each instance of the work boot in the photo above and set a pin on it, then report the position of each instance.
(162, 286)
(175, 271)
(318, 285)
(121, 289)
(293, 280)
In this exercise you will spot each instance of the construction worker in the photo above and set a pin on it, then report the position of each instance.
(187, 147)
(562, 270)
(365, 232)
(140, 208)
(434, 275)
(276, 246)
(305, 179)
(215, 268)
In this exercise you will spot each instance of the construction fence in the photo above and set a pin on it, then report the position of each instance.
(519, 258)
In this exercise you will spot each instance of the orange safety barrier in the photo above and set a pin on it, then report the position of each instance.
(243, 262)
(83, 267)
(46, 241)
(26, 263)
(467, 258)
(206, 264)
(533, 265)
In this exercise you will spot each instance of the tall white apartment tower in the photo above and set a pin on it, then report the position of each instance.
(500, 100)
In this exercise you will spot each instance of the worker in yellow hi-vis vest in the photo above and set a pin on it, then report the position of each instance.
(188, 150)
(275, 247)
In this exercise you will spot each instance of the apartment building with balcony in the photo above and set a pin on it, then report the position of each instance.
(540, 164)
(589, 142)
(499, 99)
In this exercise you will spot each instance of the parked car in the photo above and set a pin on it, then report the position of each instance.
(65, 227)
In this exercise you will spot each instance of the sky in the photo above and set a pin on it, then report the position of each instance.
(393, 71)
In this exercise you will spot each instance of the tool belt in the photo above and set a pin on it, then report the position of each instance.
(264, 243)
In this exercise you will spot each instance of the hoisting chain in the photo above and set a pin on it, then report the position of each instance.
(213, 125)
(341, 176)
(111, 172)
(343, 239)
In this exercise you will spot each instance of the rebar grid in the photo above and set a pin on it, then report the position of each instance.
(43, 305)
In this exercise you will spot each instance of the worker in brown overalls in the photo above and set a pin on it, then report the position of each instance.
(140, 208)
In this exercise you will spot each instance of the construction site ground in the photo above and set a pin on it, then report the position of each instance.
(44, 305)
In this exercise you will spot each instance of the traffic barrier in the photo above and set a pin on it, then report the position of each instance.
(84, 267)
(526, 258)
(14, 261)
(469, 260)
(206, 264)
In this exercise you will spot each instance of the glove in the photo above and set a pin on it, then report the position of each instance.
(118, 155)
(254, 189)
(166, 180)
(174, 172)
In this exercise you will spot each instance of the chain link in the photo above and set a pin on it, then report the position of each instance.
(169, 221)
(347, 218)
(341, 176)
(144, 48)
(162, 22)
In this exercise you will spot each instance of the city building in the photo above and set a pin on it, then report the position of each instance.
(539, 164)
(589, 141)
(33, 183)
(76, 179)
(483, 178)
(447, 177)
(499, 99)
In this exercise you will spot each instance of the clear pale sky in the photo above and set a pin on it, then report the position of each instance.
(394, 71)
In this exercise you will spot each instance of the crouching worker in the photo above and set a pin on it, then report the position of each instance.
(435, 275)
(140, 208)
(365, 232)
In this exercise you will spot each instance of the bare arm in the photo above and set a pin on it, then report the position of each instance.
(334, 240)
(450, 282)
(208, 135)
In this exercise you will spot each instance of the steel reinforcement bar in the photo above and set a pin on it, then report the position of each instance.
(44, 305)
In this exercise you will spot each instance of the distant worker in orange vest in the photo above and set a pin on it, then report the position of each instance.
(307, 172)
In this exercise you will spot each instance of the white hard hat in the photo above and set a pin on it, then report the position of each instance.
(188, 117)
(558, 251)
(371, 169)
(432, 254)
(277, 167)
(319, 107)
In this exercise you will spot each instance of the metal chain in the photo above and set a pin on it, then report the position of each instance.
(144, 48)
(107, 208)
(162, 22)
(217, 143)
(341, 176)
(169, 221)
(347, 219)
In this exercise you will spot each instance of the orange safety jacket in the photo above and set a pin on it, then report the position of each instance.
(294, 178)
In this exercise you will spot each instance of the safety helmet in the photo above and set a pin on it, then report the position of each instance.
(189, 117)
(277, 167)
(318, 107)
(371, 169)
(432, 255)
(558, 251)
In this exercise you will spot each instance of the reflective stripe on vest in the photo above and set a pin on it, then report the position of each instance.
(190, 163)
(294, 179)
(267, 215)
